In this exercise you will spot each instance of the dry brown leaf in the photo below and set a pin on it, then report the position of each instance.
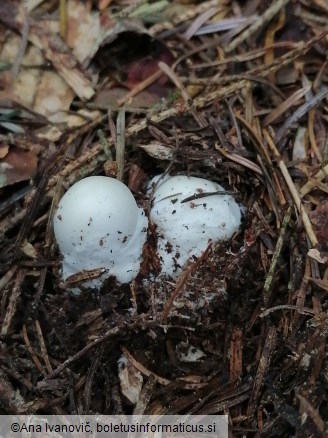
(319, 219)
(83, 29)
(41, 35)
(136, 177)
(158, 151)
(56, 51)
(131, 379)
(53, 97)
(29, 250)
(44, 92)
(24, 86)
(17, 166)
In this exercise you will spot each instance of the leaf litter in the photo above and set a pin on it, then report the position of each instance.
(231, 91)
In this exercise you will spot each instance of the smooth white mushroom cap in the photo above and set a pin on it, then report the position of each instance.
(185, 229)
(99, 225)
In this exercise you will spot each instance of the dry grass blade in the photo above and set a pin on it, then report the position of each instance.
(303, 109)
(293, 190)
(307, 409)
(63, 19)
(244, 57)
(22, 48)
(196, 24)
(271, 32)
(187, 98)
(281, 109)
(303, 311)
(257, 24)
(269, 279)
(240, 160)
(259, 145)
(266, 165)
(313, 142)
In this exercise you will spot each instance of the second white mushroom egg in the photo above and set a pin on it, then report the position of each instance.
(185, 227)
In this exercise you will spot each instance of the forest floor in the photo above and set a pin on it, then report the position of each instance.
(235, 92)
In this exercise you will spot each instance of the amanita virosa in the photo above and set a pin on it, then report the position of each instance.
(99, 225)
(190, 212)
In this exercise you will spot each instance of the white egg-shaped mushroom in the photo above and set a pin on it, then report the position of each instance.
(189, 213)
(99, 225)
